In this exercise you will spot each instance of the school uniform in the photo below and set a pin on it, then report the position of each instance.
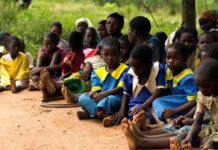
(102, 80)
(140, 93)
(183, 89)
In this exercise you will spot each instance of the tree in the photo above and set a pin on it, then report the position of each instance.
(188, 13)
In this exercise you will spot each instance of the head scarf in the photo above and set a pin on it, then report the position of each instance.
(84, 20)
(210, 15)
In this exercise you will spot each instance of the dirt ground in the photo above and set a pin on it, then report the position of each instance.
(25, 125)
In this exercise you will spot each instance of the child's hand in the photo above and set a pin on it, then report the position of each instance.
(99, 96)
(188, 121)
(137, 109)
(116, 118)
(92, 93)
(67, 61)
(178, 122)
(168, 113)
(185, 142)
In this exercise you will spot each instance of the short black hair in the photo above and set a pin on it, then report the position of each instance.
(118, 16)
(57, 24)
(76, 38)
(142, 52)
(210, 34)
(111, 41)
(180, 48)
(208, 68)
(141, 24)
(3, 37)
(53, 37)
(124, 38)
(212, 50)
(102, 22)
(162, 36)
(14, 39)
(92, 30)
(191, 30)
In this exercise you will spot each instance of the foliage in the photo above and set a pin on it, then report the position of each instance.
(33, 23)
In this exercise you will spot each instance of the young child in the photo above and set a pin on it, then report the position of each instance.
(142, 84)
(181, 84)
(90, 40)
(205, 39)
(3, 43)
(189, 37)
(139, 29)
(71, 64)
(125, 49)
(82, 24)
(49, 58)
(107, 85)
(14, 68)
(208, 20)
(206, 79)
(101, 29)
(56, 27)
(114, 25)
(29, 55)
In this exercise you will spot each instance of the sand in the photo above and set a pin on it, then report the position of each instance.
(25, 125)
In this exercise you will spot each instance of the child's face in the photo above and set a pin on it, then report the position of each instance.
(102, 32)
(204, 40)
(81, 27)
(110, 55)
(89, 37)
(113, 26)
(13, 48)
(206, 86)
(49, 45)
(174, 60)
(205, 24)
(56, 30)
(139, 68)
(189, 40)
(124, 49)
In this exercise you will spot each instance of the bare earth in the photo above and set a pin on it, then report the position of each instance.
(25, 125)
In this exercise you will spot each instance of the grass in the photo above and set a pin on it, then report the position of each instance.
(32, 24)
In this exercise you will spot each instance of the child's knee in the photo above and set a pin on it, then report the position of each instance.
(83, 98)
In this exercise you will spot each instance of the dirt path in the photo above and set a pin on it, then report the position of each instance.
(27, 126)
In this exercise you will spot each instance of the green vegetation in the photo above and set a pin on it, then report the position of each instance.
(33, 23)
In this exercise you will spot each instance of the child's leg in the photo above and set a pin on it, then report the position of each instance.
(88, 104)
(208, 144)
(110, 104)
(136, 142)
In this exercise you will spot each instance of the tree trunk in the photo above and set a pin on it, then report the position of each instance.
(188, 13)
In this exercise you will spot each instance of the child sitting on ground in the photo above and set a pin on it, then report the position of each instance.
(71, 64)
(107, 85)
(189, 37)
(56, 27)
(204, 39)
(143, 83)
(181, 84)
(125, 49)
(90, 44)
(14, 68)
(206, 79)
(49, 58)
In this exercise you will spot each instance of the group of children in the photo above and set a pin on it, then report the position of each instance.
(158, 87)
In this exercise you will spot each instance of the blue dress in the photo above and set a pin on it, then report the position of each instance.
(183, 89)
(140, 93)
(101, 80)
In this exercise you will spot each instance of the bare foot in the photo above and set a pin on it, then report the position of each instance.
(107, 121)
(131, 139)
(139, 120)
(137, 131)
(174, 144)
(155, 126)
(187, 146)
(82, 115)
(13, 85)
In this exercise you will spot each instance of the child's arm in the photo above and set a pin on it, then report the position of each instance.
(87, 70)
(195, 129)
(169, 112)
(116, 119)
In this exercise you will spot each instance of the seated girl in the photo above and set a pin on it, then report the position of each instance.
(14, 68)
(71, 64)
(49, 57)
(143, 83)
(107, 85)
(180, 83)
